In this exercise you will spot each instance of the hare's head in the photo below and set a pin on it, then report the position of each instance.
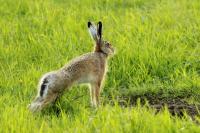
(101, 45)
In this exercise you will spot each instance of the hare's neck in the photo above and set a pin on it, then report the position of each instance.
(98, 49)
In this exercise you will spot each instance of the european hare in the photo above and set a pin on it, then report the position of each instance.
(88, 68)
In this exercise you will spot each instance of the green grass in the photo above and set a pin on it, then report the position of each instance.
(158, 48)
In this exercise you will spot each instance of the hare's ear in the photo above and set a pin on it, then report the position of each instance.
(93, 31)
(99, 30)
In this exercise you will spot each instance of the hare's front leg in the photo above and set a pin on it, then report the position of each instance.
(94, 93)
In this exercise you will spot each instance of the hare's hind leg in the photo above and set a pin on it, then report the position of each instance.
(36, 104)
(48, 99)
(41, 102)
(47, 93)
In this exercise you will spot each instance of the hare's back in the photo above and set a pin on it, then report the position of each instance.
(88, 66)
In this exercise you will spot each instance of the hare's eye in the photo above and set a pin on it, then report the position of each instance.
(107, 44)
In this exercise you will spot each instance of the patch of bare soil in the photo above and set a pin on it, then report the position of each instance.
(176, 105)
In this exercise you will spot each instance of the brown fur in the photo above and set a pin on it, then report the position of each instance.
(97, 48)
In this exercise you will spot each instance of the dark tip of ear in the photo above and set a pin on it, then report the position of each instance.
(100, 23)
(89, 24)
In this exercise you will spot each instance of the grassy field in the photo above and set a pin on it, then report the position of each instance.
(158, 49)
